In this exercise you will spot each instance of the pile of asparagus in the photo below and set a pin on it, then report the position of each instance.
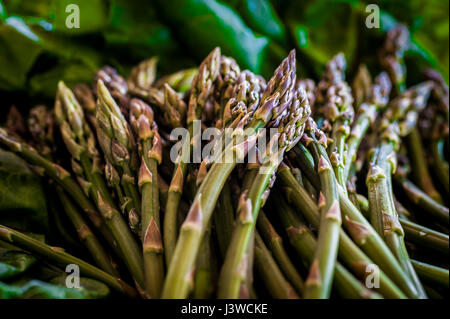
(346, 199)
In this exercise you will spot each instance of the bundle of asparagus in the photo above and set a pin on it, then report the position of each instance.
(156, 214)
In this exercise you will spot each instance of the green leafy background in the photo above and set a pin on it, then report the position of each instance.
(37, 50)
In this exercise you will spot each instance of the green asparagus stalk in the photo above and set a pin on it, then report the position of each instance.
(62, 178)
(117, 142)
(434, 275)
(116, 86)
(440, 165)
(305, 243)
(398, 120)
(361, 86)
(419, 166)
(336, 99)
(290, 130)
(100, 256)
(422, 200)
(392, 59)
(141, 118)
(267, 268)
(224, 219)
(202, 88)
(318, 283)
(368, 240)
(424, 236)
(86, 98)
(391, 56)
(348, 250)
(180, 81)
(275, 98)
(371, 244)
(366, 116)
(206, 269)
(41, 127)
(439, 127)
(142, 77)
(275, 245)
(205, 273)
(246, 286)
(80, 142)
(58, 256)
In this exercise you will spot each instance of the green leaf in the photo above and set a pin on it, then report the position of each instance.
(19, 49)
(37, 289)
(135, 33)
(27, 8)
(22, 44)
(204, 24)
(93, 15)
(13, 263)
(2, 11)
(90, 288)
(262, 17)
(71, 73)
(22, 199)
(322, 29)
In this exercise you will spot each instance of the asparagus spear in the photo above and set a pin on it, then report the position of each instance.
(432, 274)
(397, 121)
(291, 126)
(57, 255)
(422, 200)
(318, 284)
(85, 96)
(202, 88)
(275, 282)
(433, 124)
(366, 116)
(392, 59)
(181, 81)
(142, 77)
(304, 243)
(391, 56)
(348, 250)
(41, 127)
(275, 244)
(424, 236)
(64, 179)
(116, 85)
(141, 118)
(368, 240)
(224, 219)
(361, 86)
(229, 75)
(80, 142)
(117, 142)
(418, 160)
(309, 87)
(273, 102)
(336, 100)
(100, 256)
